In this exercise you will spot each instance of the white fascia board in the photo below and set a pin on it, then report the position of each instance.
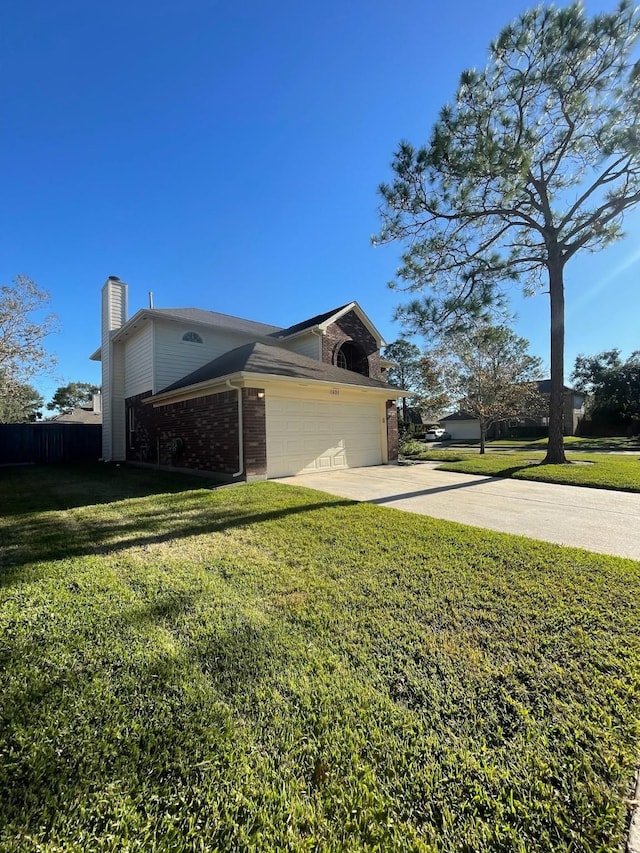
(190, 392)
(310, 330)
(97, 355)
(250, 380)
(132, 325)
(270, 378)
(353, 306)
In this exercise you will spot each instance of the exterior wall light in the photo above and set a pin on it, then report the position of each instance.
(260, 395)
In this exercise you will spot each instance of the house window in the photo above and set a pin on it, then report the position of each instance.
(192, 338)
(131, 420)
(351, 357)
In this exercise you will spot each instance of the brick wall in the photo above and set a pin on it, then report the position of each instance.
(255, 434)
(207, 428)
(392, 430)
(351, 328)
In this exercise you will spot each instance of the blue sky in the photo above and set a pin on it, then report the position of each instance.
(228, 157)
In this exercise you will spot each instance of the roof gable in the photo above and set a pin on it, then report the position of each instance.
(312, 322)
(459, 416)
(544, 387)
(323, 321)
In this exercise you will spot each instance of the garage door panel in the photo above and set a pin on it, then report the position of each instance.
(312, 435)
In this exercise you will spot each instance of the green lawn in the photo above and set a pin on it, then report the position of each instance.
(599, 470)
(575, 442)
(270, 668)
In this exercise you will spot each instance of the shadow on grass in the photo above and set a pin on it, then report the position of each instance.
(45, 488)
(628, 445)
(55, 536)
(150, 721)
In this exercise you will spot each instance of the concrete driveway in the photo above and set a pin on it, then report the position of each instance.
(603, 521)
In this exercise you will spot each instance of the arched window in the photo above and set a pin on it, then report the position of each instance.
(192, 337)
(351, 357)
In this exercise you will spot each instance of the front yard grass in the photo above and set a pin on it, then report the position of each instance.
(599, 470)
(267, 668)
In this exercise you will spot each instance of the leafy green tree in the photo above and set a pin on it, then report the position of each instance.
(536, 160)
(419, 372)
(495, 376)
(613, 385)
(433, 395)
(405, 373)
(72, 396)
(23, 329)
(20, 403)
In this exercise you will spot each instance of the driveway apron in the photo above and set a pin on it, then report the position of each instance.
(599, 520)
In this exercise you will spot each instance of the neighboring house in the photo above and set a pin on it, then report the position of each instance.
(194, 389)
(461, 426)
(89, 414)
(464, 427)
(415, 423)
(573, 406)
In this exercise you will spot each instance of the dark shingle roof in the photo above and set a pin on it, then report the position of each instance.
(459, 416)
(307, 324)
(275, 361)
(81, 415)
(213, 318)
(544, 387)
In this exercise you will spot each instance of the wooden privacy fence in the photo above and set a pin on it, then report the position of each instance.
(45, 443)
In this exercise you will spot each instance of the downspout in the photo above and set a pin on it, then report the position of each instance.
(240, 470)
(320, 333)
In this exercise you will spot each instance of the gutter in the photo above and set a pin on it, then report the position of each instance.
(240, 470)
(166, 397)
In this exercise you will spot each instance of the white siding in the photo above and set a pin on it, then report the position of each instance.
(462, 430)
(138, 369)
(114, 314)
(116, 293)
(309, 345)
(118, 426)
(107, 407)
(175, 358)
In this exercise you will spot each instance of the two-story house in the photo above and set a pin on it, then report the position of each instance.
(194, 389)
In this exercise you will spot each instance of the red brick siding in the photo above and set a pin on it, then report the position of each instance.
(255, 433)
(392, 430)
(351, 328)
(207, 427)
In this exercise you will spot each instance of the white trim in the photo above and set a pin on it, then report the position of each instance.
(247, 379)
(240, 470)
(353, 306)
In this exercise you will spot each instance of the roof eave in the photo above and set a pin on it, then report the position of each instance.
(353, 306)
(245, 377)
(314, 330)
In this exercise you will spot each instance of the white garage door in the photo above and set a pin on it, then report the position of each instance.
(313, 435)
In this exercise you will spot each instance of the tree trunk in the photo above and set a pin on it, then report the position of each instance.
(404, 411)
(555, 447)
(483, 435)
